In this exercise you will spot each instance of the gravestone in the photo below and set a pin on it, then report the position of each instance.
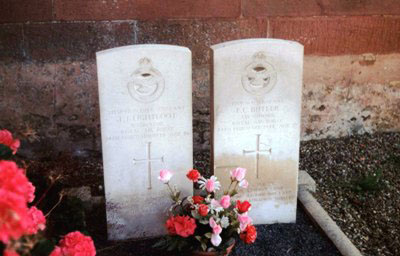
(146, 125)
(256, 108)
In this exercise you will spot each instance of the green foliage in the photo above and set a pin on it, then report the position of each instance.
(5, 152)
(370, 182)
(173, 243)
(43, 247)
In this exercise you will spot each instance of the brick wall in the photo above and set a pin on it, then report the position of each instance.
(48, 80)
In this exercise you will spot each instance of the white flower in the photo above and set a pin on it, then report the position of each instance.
(243, 183)
(224, 222)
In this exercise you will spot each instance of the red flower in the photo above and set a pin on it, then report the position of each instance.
(249, 235)
(181, 225)
(37, 221)
(193, 175)
(197, 199)
(170, 225)
(203, 210)
(75, 243)
(14, 180)
(243, 207)
(13, 216)
(10, 253)
(56, 252)
(7, 139)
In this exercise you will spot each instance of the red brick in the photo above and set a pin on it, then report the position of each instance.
(340, 35)
(199, 35)
(75, 41)
(298, 8)
(12, 11)
(260, 8)
(144, 9)
(11, 42)
(360, 7)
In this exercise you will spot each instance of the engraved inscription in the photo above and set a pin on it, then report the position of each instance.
(147, 83)
(148, 162)
(257, 151)
(260, 76)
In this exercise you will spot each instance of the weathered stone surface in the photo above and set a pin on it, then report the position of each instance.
(342, 96)
(11, 43)
(199, 35)
(12, 11)
(146, 125)
(52, 42)
(340, 35)
(257, 87)
(372, 92)
(144, 9)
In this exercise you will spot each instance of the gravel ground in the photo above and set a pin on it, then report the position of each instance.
(358, 184)
(300, 239)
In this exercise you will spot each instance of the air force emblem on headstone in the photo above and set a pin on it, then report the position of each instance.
(147, 83)
(259, 77)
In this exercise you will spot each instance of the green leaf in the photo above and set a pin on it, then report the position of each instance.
(5, 152)
(204, 246)
(198, 238)
(43, 247)
(208, 235)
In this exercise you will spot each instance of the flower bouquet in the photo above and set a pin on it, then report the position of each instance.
(205, 224)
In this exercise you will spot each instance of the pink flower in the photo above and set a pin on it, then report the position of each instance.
(37, 221)
(225, 201)
(13, 216)
(14, 180)
(243, 183)
(56, 252)
(7, 139)
(75, 243)
(165, 175)
(211, 184)
(244, 220)
(215, 237)
(238, 174)
(10, 253)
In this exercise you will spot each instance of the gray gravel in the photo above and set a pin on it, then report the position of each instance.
(358, 184)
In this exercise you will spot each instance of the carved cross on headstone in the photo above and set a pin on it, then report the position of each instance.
(257, 151)
(148, 161)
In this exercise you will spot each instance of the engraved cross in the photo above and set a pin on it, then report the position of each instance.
(148, 161)
(257, 151)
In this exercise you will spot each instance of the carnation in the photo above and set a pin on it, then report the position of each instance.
(14, 180)
(193, 175)
(249, 235)
(6, 138)
(10, 253)
(14, 219)
(197, 199)
(76, 243)
(183, 226)
(37, 221)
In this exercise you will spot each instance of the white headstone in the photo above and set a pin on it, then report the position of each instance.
(146, 125)
(256, 91)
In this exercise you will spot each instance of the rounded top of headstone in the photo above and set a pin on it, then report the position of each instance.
(145, 46)
(255, 40)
